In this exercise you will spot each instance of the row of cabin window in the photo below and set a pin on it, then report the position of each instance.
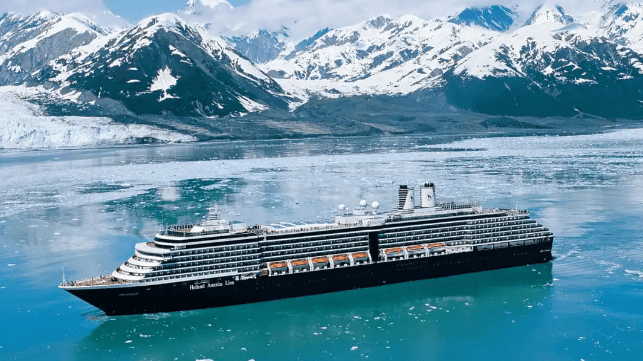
(319, 253)
(314, 249)
(311, 239)
(449, 227)
(218, 249)
(311, 244)
(508, 218)
(224, 256)
(498, 224)
(414, 240)
(211, 260)
(202, 267)
(510, 226)
(505, 234)
(198, 273)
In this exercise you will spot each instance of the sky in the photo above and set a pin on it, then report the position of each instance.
(302, 17)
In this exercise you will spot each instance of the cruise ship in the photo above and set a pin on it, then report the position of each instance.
(218, 263)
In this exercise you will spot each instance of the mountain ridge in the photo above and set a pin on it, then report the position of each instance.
(169, 66)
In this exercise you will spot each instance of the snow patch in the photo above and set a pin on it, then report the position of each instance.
(115, 63)
(251, 105)
(163, 82)
(175, 51)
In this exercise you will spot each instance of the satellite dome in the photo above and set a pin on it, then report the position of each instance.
(375, 205)
(362, 203)
(342, 207)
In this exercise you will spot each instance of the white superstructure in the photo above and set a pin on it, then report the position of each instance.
(218, 248)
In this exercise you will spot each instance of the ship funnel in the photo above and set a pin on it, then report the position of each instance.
(405, 195)
(427, 193)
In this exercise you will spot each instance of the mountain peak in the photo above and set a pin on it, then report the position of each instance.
(496, 17)
(161, 20)
(548, 14)
(45, 14)
(378, 22)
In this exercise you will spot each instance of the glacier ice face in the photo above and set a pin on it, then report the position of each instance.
(23, 126)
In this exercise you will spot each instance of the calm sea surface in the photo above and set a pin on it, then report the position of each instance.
(84, 210)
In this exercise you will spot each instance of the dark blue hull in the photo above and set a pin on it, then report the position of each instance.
(218, 292)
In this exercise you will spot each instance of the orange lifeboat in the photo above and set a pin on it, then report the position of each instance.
(299, 262)
(340, 257)
(435, 245)
(319, 262)
(394, 251)
(417, 249)
(359, 256)
(277, 265)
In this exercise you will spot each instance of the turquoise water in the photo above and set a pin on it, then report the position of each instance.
(84, 210)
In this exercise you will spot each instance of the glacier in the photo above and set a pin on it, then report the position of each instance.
(24, 126)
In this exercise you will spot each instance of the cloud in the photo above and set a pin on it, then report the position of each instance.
(302, 17)
(305, 17)
(93, 9)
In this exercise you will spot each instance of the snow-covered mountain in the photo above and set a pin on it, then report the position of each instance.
(491, 60)
(548, 14)
(261, 46)
(165, 66)
(28, 43)
(382, 55)
(623, 23)
(496, 17)
(551, 66)
(500, 59)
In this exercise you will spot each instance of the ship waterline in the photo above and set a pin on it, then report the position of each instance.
(218, 263)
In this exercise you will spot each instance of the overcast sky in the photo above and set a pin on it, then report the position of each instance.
(303, 17)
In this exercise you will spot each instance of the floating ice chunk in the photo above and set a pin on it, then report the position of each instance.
(637, 273)
(353, 348)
